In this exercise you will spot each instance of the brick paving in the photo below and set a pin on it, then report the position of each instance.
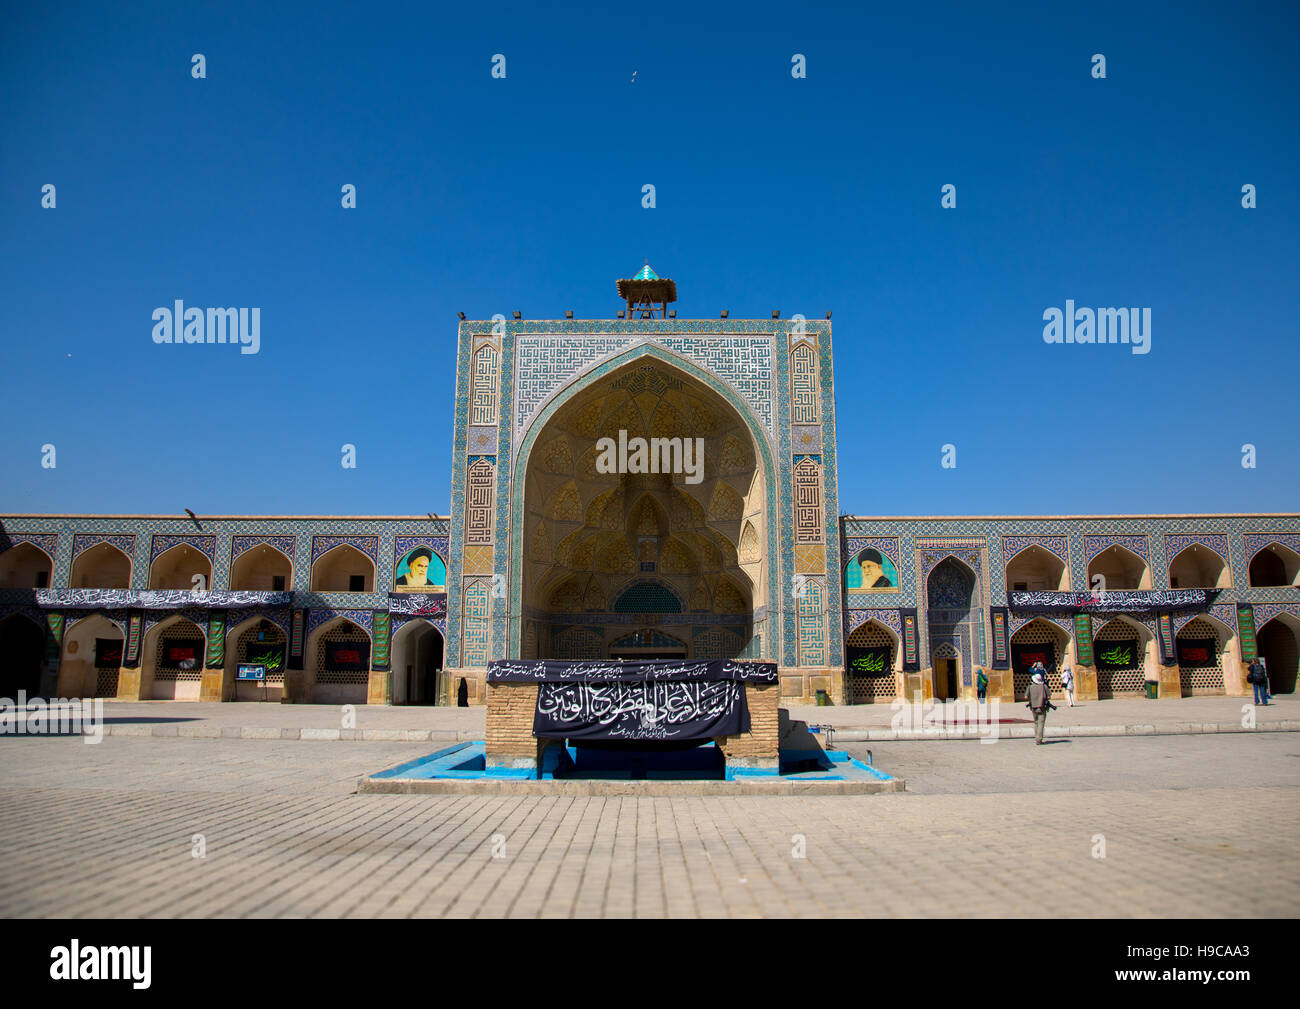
(1193, 826)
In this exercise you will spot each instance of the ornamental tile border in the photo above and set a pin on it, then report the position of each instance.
(162, 542)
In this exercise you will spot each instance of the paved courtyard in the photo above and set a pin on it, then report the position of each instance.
(1192, 825)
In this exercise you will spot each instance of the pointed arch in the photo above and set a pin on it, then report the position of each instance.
(1039, 640)
(1121, 569)
(173, 652)
(102, 566)
(418, 656)
(1203, 649)
(339, 568)
(1036, 568)
(1197, 566)
(178, 566)
(1274, 564)
(261, 568)
(256, 640)
(91, 657)
(532, 434)
(1124, 652)
(25, 566)
(338, 662)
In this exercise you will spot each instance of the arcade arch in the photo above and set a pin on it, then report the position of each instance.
(262, 568)
(181, 567)
(1198, 567)
(102, 566)
(343, 568)
(1121, 570)
(1036, 569)
(25, 566)
(92, 658)
(1124, 652)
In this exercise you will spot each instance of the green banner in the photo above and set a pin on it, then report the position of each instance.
(1246, 633)
(1083, 639)
(382, 626)
(216, 640)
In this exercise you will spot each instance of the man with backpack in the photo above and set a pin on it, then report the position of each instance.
(981, 683)
(1040, 702)
(1258, 679)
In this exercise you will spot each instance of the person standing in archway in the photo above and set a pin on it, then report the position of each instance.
(1067, 681)
(981, 683)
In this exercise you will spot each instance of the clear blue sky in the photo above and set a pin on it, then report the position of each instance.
(483, 196)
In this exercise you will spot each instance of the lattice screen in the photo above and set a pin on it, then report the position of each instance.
(869, 689)
(352, 636)
(1203, 679)
(106, 681)
(1039, 633)
(1121, 681)
(248, 649)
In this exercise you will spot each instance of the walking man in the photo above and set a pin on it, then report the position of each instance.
(1039, 703)
(981, 683)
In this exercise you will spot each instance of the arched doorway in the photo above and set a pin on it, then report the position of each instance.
(172, 667)
(416, 660)
(1038, 641)
(92, 657)
(1120, 569)
(261, 568)
(1123, 651)
(256, 641)
(102, 566)
(1274, 565)
(644, 494)
(22, 649)
(25, 566)
(1279, 646)
(953, 606)
(1202, 646)
(946, 673)
(338, 663)
(181, 567)
(871, 663)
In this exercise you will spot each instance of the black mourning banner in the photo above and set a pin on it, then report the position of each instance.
(349, 655)
(184, 654)
(1024, 656)
(1117, 601)
(108, 653)
(1117, 654)
(644, 670)
(641, 710)
(421, 604)
(1193, 652)
(872, 661)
